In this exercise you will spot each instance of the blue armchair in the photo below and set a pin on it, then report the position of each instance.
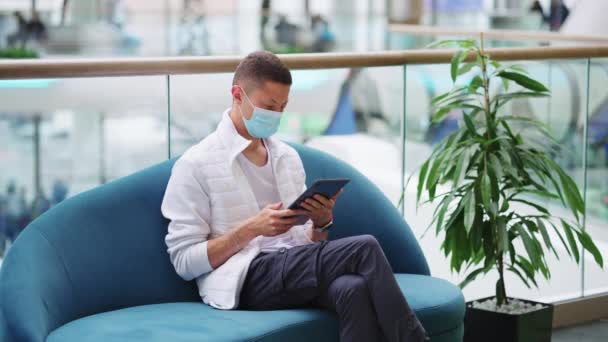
(95, 268)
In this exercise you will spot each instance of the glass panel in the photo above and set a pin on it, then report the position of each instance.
(353, 114)
(596, 279)
(566, 80)
(59, 137)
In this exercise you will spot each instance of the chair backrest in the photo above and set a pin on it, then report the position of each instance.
(104, 249)
(363, 209)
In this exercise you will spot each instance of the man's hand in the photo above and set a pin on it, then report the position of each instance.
(273, 220)
(320, 209)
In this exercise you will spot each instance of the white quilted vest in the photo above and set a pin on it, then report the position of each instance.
(232, 201)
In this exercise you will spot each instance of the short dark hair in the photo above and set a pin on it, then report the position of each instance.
(259, 67)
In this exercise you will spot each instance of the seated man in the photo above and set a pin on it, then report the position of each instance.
(229, 228)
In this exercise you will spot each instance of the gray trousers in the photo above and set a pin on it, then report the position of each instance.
(349, 276)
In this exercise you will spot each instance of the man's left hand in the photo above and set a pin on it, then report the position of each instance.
(320, 209)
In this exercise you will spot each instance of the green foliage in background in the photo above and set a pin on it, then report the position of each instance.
(18, 53)
(491, 163)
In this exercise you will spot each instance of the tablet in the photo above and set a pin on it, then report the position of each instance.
(326, 187)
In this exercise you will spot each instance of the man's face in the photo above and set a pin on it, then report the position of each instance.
(271, 95)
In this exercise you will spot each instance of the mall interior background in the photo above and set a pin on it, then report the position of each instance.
(59, 137)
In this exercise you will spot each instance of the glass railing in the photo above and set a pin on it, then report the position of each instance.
(62, 136)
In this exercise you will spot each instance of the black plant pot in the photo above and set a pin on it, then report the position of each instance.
(483, 325)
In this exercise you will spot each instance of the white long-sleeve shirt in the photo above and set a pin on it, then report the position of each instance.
(209, 194)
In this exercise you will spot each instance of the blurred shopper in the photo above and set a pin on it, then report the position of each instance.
(36, 29)
(25, 217)
(265, 17)
(14, 209)
(40, 205)
(59, 192)
(27, 30)
(324, 38)
(286, 32)
(194, 35)
(555, 16)
(19, 37)
(359, 108)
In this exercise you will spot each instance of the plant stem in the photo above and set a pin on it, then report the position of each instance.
(501, 293)
(486, 91)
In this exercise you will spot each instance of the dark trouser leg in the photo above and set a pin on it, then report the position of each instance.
(302, 275)
(362, 255)
(349, 297)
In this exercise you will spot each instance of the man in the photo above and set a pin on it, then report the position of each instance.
(231, 232)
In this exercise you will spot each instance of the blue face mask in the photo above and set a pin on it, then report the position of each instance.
(263, 122)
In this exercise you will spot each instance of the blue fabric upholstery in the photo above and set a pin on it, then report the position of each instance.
(93, 268)
(430, 297)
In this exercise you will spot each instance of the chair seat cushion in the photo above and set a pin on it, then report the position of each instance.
(438, 303)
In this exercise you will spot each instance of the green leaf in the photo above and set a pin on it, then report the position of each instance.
(441, 97)
(471, 276)
(543, 231)
(533, 205)
(505, 206)
(461, 167)
(523, 279)
(469, 123)
(497, 166)
(506, 159)
(456, 60)
(440, 114)
(466, 68)
(486, 191)
(421, 179)
(455, 215)
(462, 43)
(541, 193)
(573, 247)
(441, 215)
(461, 103)
(559, 234)
(588, 244)
(526, 266)
(529, 245)
(518, 68)
(573, 196)
(469, 211)
(431, 181)
(476, 82)
(524, 81)
(455, 93)
(505, 84)
(501, 99)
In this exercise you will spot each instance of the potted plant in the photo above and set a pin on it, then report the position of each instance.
(17, 53)
(499, 171)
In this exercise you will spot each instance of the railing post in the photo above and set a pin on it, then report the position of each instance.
(168, 116)
(585, 148)
(403, 128)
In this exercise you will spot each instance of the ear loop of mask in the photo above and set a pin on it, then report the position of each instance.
(240, 106)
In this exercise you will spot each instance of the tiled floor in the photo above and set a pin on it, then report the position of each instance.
(592, 332)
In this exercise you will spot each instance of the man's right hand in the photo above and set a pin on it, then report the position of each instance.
(274, 220)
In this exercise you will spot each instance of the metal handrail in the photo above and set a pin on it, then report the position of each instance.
(108, 67)
(506, 35)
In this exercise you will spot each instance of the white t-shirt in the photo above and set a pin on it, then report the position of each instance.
(264, 186)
